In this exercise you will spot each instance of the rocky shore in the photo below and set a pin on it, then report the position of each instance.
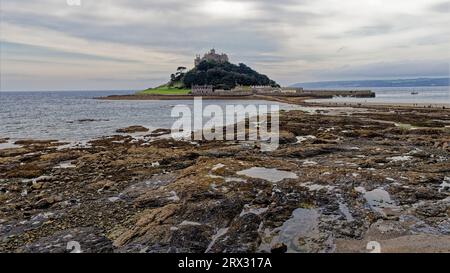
(339, 180)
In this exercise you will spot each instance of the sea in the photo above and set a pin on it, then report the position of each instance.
(434, 95)
(74, 116)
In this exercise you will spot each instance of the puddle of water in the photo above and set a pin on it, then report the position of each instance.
(378, 199)
(445, 184)
(300, 229)
(213, 176)
(155, 164)
(300, 139)
(174, 197)
(309, 163)
(220, 233)
(9, 144)
(317, 187)
(399, 158)
(65, 165)
(217, 166)
(37, 179)
(255, 210)
(113, 199)
(346, 212)
(272, 175)
(234, 179)
(407, 126)
(189, 223)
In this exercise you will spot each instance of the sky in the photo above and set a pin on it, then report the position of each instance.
(135, 44)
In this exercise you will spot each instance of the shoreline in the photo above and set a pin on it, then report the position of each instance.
(191, 97)
(335, 108)
(296, 100)
(380, 104)
(131, 194)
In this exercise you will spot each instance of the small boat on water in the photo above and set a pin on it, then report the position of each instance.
(414, 93)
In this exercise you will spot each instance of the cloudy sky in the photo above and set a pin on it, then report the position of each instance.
(133, 44)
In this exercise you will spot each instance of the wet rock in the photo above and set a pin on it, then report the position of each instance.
(102, 185)
(142, 188)
(77, 240)
(60, 156)
(302, 152)
(190, 239)
(37, 186)
(28, 142)
(279, 248)
(160, 132)
(47, 202)
(150, 226)
(132, 129)
(29, 170)
(220, 212)
(9, 152)
(156, 199)
(286, 137)
(88, 120)
(242, 236)
(428, 194)
(438, 209)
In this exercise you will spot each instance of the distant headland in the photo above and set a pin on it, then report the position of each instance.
(417, 82)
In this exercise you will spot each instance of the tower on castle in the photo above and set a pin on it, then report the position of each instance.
(211, 56)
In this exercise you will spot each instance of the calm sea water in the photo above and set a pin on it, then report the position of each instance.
(76, 116)
(427, 95)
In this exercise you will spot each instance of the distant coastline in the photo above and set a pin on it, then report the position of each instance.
(416, 82)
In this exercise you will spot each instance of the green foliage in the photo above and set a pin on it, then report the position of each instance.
(177, 77)
(224, 75)
(165, 90)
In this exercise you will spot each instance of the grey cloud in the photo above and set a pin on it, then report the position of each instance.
(289, 38)
(435, 68)
(175, 36)
(17, 49)
(443, 7)
(364, 31)
(371, 30)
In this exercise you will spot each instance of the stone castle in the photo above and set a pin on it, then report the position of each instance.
(211, 56)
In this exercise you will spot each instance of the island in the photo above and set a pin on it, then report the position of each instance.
(215, 77)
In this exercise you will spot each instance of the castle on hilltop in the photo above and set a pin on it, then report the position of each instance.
(211, 56)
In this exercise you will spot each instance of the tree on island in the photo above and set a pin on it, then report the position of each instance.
(221, 75)
(178, 76)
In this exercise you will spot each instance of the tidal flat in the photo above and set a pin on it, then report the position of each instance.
(346, 178)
